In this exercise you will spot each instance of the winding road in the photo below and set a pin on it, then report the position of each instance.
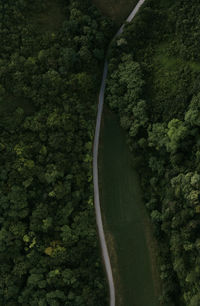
(104, 248)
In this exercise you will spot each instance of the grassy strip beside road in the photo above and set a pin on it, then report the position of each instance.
(125, 220)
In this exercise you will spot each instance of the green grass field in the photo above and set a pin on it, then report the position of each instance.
(127, 228)
(117, 10)
(165, 63)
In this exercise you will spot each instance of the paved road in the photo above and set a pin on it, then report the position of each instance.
(104, 248)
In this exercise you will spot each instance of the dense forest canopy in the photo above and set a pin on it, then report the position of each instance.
(51, 60)
(154, 86)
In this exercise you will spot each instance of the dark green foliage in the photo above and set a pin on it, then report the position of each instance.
(48, 82)
(154, 86)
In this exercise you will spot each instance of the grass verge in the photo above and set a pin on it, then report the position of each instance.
(132, 247)
(117, 10)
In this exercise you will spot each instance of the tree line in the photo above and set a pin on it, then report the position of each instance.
(49, 76)
(154, 86)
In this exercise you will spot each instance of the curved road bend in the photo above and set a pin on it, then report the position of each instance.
(104, 248)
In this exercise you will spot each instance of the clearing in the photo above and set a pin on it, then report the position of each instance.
(126, 224)
(117, 10)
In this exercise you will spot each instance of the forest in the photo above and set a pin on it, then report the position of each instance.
(51, 60)
(154, 87)
(52, 54)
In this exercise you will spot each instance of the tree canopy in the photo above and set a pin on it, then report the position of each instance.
(153, 85)
(51, 60)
